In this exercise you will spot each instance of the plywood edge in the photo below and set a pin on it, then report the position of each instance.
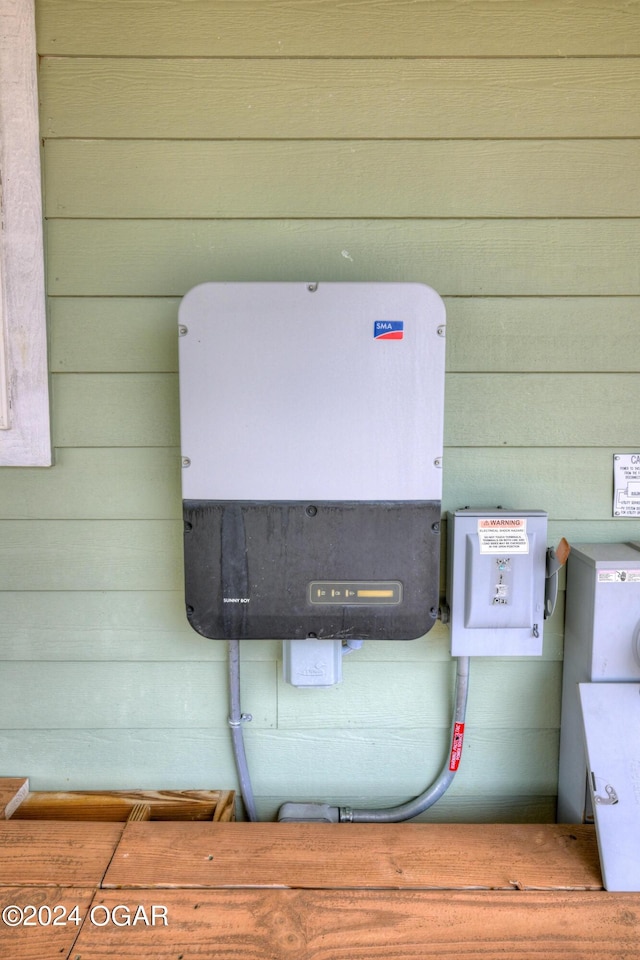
(120, 805)
(13, 791)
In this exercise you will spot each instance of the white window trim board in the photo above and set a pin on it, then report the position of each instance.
(24, 389)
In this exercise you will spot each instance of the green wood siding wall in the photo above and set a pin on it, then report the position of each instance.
(487, 148)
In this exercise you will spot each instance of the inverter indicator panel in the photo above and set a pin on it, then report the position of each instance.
(330, 591)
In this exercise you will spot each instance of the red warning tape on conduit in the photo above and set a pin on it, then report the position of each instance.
(456, 746)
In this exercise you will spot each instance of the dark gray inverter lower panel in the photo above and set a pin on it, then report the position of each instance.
(291, 570)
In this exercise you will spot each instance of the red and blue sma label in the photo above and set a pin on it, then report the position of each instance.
(388, 330)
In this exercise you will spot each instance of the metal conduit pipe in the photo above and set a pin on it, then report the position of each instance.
(322, 812)
(412, 808)
(236, 720)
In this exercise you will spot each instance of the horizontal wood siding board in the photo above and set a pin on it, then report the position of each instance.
(277, 29)
(273, 28)
(311, 99)
(120, 410)
(98, 483)
(139, 179)
(492, 334)
(569, 483)
(457, 257)
(542, 410)
(545, 334)
(318, 763)
(194, 694)
(313, 764)
(130, 695)
(91, 555)
(113, 334)
(102, 410)
(525, 695)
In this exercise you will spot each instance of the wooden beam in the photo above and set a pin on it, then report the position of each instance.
(403, 925)
(384, 856)
(55, 854)
(118, 805)
(51, 918)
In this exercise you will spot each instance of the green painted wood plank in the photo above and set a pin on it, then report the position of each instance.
(192, 759)
(457, 257)
(133, 483)
(570, 484)
(151, 625)
(564, 334)
(317, 763)
(115, 626)
(100, 410)
(325, 98)
(408, 178)
(113, 334)
(597, 531)
(274, 28)
(129, 695)
(515, 410)
(545, 410)
(310, 764)
(91, 555)
(502, 334)
(523, 695)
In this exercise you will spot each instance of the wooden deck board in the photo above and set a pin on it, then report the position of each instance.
(222, 891)
(45, 853)
(366, 925)
(49, 934)
(391, 856)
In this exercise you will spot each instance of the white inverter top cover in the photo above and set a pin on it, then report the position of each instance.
(291, 391)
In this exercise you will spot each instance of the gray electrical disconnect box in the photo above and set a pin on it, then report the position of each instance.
(599, 773)
(496, 581)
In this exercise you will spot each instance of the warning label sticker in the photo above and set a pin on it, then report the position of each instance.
(626, 485)
(503, 535)
(618, 576)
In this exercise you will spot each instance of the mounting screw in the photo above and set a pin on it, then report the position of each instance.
(435, 527)
(182, 330)
(442, 331)
(312, 287)
(186, 462)
(438, 462)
